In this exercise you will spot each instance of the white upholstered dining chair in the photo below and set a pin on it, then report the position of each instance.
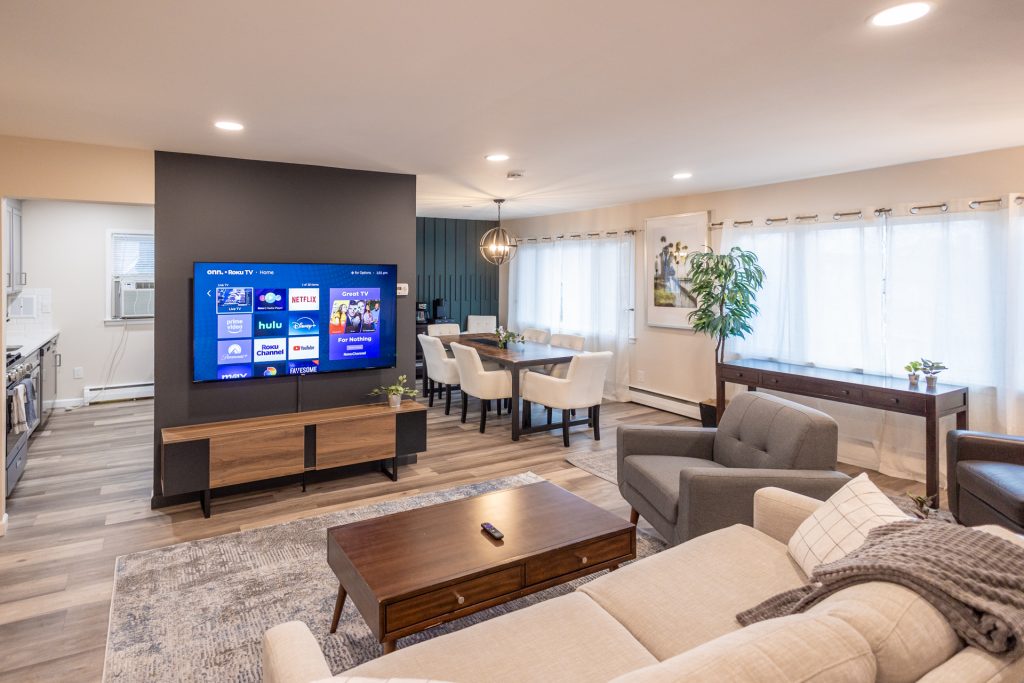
(481, 323)
(535, 334)
(582, 387)
(565, 341)
(442, 372)
(480, 383)
(443, 329)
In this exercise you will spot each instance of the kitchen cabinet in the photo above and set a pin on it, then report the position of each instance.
(15, 277)
(49, 361)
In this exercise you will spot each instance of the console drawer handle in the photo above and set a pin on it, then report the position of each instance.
(895, 400)
(461, 599)
(584, 559)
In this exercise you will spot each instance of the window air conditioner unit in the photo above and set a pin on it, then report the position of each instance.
(133, 298)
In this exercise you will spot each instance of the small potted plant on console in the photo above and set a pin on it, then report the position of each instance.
(931, 370)
(913, 368)
(395, 392)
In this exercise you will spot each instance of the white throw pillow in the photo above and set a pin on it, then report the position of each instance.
(841, 524)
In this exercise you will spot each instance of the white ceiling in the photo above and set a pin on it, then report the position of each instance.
(599, 101)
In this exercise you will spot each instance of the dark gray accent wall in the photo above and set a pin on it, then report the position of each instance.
(220, 209)
(449, 266)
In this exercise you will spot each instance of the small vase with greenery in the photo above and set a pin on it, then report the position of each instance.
(725, 286)
(931, 370)
(395, 392)
(506, 337)
(913, 368)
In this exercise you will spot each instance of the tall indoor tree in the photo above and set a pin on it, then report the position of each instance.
(725, 286)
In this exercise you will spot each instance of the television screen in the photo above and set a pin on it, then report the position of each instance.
(253, 320)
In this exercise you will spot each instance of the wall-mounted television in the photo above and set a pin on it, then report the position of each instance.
(260, 320)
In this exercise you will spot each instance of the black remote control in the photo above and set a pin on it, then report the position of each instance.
(490, 529)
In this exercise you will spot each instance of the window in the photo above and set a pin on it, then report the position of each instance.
(131, 275)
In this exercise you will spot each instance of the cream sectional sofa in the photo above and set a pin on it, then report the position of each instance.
(671, 617)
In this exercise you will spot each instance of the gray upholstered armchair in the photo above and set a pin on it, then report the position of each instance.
(688, 481)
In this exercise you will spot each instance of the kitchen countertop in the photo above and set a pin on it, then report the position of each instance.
(30, 342)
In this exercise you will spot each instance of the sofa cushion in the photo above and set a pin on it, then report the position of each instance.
(908, 636)
(656, 478)
(690, 594)
(809, 648)
(974, 665)
(762, 431)
(1000, 484)
(841, 524)
(566, 638)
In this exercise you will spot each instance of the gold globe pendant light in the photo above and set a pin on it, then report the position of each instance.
(497, 245)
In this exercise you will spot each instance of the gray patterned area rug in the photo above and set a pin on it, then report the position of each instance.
(604, 465)
(197, 611)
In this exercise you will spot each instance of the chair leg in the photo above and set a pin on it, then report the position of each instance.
(549, 415)
(527, 409)
(565, 427)
(430, 400)
(595, 413)
(448, 399)
(483, 415)
(465, 406)
(497, 406)
(634, 516)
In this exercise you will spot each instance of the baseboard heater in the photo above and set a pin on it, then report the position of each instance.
(118, 392)
(672, 404)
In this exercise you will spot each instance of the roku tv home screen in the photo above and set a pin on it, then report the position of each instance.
(273, 319)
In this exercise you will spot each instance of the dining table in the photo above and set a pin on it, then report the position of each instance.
(515, 357)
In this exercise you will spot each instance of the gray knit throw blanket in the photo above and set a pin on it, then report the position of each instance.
(975, 579)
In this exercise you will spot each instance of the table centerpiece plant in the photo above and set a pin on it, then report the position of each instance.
(395, 392)
(506, 337)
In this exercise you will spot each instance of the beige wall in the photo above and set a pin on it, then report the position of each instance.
(47, 169)
(680, 364)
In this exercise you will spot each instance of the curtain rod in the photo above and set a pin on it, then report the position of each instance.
(574, 236)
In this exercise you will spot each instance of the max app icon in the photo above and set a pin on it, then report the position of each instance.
(303, 348)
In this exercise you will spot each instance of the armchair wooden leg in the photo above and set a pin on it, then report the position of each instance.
(595, 414)
(448, 399)
(565, 427)
(465, 406)
(634, 516)
(483, 415)
(430, 399)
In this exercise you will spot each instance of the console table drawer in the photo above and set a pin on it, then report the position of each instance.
(891, 401)
(569, 560)
(737, 375)
(451, 598)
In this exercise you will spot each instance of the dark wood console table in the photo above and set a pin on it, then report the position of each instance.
(894, 394)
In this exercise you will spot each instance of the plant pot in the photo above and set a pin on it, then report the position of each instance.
(913, 377)
(395, 400)
(931, 380)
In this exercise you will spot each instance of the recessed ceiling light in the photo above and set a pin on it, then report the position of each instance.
(496, 157)
(682, 176)
(901, 14)
(229, 125)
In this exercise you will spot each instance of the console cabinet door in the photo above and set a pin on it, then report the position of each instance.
(258, 454)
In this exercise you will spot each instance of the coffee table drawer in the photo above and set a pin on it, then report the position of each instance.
(458, 596)
(569, 560)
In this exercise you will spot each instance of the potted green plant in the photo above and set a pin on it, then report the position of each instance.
(725, 287)
(913, 368)
(506, 337)
(395, 392)
(931, 370)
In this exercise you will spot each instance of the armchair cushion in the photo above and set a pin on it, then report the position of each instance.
(999, 484)
(764, 431)
(656, 478)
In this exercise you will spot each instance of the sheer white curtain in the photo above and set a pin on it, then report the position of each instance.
(875, 294)
(578, 286)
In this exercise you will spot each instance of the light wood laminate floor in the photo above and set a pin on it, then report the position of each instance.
(84, 500)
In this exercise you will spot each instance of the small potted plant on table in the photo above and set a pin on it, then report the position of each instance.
(506, 337)
(913, 368)
(931, 370)
(395, 392)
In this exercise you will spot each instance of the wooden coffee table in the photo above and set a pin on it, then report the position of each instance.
(412, 570)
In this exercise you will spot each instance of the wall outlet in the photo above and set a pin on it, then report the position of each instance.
(641, 376)
(403, 289)
(78, 373)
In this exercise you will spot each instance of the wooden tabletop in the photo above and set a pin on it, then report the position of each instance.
(398, 554)
(861, 379)
(522, 353)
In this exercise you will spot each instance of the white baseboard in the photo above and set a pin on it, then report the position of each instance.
(3, 525)
(671, 404)
(121, 392)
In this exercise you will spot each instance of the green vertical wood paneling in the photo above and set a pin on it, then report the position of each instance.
(449, 266)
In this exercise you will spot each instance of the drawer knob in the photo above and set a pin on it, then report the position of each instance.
(584, 559)
(895, 400)
(461, 599)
